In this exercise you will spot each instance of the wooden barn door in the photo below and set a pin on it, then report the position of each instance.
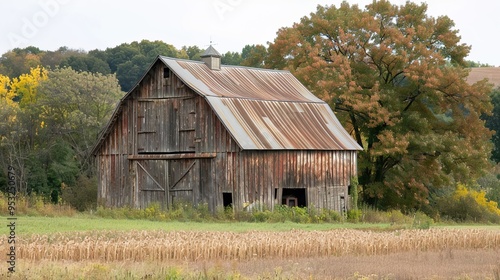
(168, 181)
(184, 184)
(152, 182)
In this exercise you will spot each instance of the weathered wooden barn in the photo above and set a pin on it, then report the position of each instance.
(203, 132)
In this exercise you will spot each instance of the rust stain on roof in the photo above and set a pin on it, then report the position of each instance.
(265, 109)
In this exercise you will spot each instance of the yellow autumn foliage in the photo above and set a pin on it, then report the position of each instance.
(25, 86)
(478, 196)
(7, 104)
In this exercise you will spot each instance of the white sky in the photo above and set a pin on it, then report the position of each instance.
(231, 24)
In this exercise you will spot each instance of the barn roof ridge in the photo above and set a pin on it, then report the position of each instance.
(225, 65)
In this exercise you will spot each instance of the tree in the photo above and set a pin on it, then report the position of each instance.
(130, 61)
(8, 110)
(193, 52)
(86, 63)
(19, 134)
(231, 58)
(75, 107)
(254, 56)
(493, 123)
(19, 61)
(396, 78)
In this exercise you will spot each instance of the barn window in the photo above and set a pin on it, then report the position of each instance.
(166, 73)
(227, 199)
(294, 197)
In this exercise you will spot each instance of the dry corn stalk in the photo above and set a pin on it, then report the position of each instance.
(211, 245)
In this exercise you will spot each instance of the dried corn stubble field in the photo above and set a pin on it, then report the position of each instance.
(211, 245)
(296, 254)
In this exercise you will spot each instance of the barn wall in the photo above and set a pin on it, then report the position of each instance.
(259, 177)
(113, 164)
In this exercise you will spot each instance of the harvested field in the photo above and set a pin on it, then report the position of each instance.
(159, 246)
(446, 264)
(490, 73)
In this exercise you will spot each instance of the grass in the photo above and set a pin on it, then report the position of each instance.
(27, 225)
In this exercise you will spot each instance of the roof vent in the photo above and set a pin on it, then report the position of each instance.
(211, 58)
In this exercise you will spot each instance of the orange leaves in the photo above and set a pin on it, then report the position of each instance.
(390, 143)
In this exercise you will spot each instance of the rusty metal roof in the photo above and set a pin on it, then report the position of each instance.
(265, 109)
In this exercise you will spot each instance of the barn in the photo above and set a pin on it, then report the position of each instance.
(202, 132)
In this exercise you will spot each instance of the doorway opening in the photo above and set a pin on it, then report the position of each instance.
(294, 197)
(227, 199)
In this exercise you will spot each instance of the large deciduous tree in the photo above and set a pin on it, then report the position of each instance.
(396, 78)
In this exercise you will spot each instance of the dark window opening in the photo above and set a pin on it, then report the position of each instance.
(343, 206)
(294, 197)
(166, 73)
(227, 199)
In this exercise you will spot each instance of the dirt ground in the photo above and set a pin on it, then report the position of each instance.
(446, 264)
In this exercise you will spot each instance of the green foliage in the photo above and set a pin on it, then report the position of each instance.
(354, 215)
(490, 183)
(231, 58)
(193, 52)
(354, 192)
(185, 212)
(493, 123)
(82, 195)
(422, 221)
(254, 56)
(283, 213)
(471, 64)
(130, 61)
(36, 205)
(86, 63)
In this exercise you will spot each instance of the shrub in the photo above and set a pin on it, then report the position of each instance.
(421, 221)
(372, 215)
(36, 205)
(396, 217)
(466, 205)
(83, 195)
(354, 215)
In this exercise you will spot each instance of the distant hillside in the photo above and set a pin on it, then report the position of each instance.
(479, 73)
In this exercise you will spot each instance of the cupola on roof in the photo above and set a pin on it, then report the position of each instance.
(211, 58)
(211, 51)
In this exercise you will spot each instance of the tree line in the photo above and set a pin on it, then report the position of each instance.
(395, 77)
(127, 61)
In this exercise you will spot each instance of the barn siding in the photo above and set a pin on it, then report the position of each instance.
(260, 177)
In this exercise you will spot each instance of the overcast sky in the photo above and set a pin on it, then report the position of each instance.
(231, 24)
